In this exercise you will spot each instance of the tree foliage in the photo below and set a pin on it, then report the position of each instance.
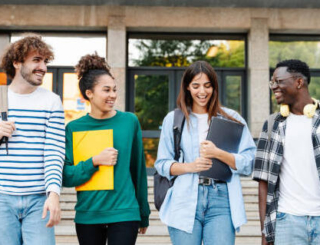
(152, 91)
(181, 53)
(307, 51)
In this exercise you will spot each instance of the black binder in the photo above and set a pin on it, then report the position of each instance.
(226, 135)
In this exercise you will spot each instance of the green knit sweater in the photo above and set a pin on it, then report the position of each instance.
(129, 199)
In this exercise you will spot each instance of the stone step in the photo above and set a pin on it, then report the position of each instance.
(68, 190)
(160, 240)
(157, 241)
(152, 221)
(160, 230)
(248, 240)
(251, 205)
(157, 233)
(70, 214)
(251, 197)
(245, 190)
(245, 182)
(69, 198)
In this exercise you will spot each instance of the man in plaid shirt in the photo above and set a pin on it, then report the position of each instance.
(287, 163)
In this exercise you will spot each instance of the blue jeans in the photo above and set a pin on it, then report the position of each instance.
(21, 221)
(213, 224)
(297, 230)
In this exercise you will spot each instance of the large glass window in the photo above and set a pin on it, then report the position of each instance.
(181, 53)
(74, 104)
(151, 100)
(308, 51)
(68, 49)
(48, 81)
(314, 86)
(233, 97)
(305, 48)
(155, 67)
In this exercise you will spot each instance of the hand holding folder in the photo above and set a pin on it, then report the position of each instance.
(226, 135)
(87, 144)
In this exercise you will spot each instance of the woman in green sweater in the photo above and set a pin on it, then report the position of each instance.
(114, 215)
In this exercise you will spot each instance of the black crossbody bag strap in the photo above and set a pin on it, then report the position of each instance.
(178, 123)
(162, 184)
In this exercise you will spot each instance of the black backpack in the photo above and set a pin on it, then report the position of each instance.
(162, 184)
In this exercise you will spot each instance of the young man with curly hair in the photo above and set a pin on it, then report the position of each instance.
(30, 174)
(287, 163)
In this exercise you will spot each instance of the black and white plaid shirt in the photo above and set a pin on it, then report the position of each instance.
(268, 161)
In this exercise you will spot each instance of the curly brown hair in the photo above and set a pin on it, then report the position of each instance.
(19, 50)
(89, 69)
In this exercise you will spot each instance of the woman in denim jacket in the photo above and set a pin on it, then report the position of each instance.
(200, 210)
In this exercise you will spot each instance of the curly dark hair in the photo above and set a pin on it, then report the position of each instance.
(89, 69)
(296, 66)
(19, 50)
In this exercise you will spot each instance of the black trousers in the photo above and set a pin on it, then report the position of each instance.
(120, 233)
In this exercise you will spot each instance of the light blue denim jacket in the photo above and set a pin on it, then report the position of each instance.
(179, 207)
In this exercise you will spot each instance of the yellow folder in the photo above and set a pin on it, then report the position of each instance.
(87, 144)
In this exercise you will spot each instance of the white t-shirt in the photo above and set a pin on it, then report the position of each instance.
(203, 126)
(299, 180)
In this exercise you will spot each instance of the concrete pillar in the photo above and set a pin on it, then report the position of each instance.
(4, 41)
(258, 57)
(117, 56)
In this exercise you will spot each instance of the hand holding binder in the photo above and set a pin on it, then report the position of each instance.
(226, 135)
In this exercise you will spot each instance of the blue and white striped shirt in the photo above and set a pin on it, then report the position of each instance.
(37, 147)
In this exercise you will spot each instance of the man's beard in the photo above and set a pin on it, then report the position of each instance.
(26, 75)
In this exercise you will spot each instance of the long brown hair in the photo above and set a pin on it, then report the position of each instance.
(185, 101)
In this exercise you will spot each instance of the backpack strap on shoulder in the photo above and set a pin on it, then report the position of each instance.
(178, 123)
(271, 120)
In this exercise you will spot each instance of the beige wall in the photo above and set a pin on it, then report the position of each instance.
(4, 41)
(172, 18)
(257, 23)
(258, 74)
(117, 55)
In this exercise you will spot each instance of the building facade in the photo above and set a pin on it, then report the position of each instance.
(123, 24)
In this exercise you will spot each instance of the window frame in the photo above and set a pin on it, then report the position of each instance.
(176, 72)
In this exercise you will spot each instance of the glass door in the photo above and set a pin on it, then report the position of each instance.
(74, 104)
(151, 95)
(233, 91)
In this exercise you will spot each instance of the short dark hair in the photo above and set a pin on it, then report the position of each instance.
(19, 50)
(296, 66)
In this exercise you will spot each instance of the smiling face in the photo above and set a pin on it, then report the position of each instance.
(33, 69)
(286, 90)
(201, 91)
(103, 95)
